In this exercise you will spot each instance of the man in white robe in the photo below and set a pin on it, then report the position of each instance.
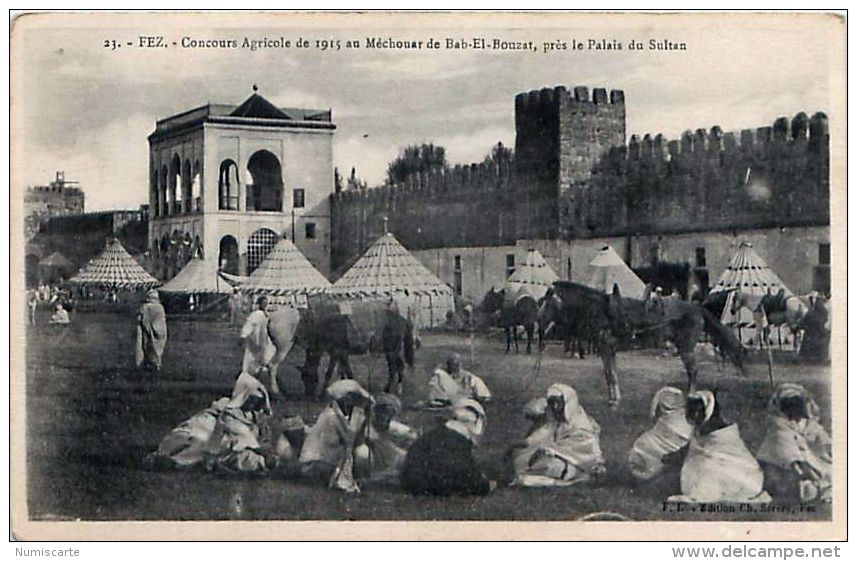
(670, 433)
(258, 347)
(187, 445)
(796, 454)
(327, 454)
(718, 468)
(566, 450)
(447, 386)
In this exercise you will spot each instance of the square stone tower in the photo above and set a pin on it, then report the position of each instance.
(227, 182)
(561, 134)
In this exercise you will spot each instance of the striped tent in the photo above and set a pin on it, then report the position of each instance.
(747, 272)
(388, 270)
(285, 274)
(608, 269)
(114, 268)
(532, 278)
(199, 276)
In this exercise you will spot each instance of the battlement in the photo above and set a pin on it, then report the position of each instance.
(801, 132)
(775, 174)
(538, 99)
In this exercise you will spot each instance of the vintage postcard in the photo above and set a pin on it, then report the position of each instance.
(415, 276)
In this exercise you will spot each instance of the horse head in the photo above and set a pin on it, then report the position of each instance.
(493, 300)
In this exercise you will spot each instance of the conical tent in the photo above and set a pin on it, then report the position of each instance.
(115, 268)
(388, 270)
(532, 278)
(199, 276)
(608, 270)
(285, 272)
(747, 272)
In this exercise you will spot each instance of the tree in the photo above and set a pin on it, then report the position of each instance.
(354, 182)
(337, 181)
(416, 159)
(500, 154)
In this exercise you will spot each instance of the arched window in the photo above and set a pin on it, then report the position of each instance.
(259, 245)
(155, 197)
(227, 259)
(175, 182)
(196, 187)
(186, 187)
(227, 185)
(266, 192)
(162, 191)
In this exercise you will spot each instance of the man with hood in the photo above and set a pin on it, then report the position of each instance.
(718, 467)
(240, 442)
(796, 454)
(258, 347)
(385, 441)
(441, 462)
(670, 433)
(566, 450)
(151, 333)
(327, 454)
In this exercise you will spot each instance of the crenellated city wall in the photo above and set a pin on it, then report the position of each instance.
(574, 176)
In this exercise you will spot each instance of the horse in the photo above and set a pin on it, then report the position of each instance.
(571, 318)
(523, 311)
(619, 323)
(775, 310)
(322, 329)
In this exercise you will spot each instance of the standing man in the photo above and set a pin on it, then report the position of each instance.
(397, 336)
(151, 333)
(258, 348)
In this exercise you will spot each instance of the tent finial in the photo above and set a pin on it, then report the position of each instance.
(385, 225)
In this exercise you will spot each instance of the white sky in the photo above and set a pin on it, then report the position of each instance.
(87, 110)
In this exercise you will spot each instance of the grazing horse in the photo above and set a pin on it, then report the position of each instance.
(621, 323)
(523, 311)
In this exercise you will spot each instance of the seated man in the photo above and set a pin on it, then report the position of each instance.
(670, 433)
(796, 454)
(441, 461)
(240, 442)
(453, 384)
(327, 452)
(565, 450)
(60, 316)
(718, 467)
(385, 442)
(187, 445)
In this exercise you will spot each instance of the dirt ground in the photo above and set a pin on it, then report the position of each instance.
(92, 418)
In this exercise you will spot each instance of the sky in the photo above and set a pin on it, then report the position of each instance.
(87, 109)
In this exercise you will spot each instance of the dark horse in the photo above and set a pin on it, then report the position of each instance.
(324, 329)
(571, 319)
(509, 315)
(622, 323)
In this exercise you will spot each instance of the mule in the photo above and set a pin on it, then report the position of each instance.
(523, 311)
(622, 323)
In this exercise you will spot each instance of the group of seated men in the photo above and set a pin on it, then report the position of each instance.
(359, 438)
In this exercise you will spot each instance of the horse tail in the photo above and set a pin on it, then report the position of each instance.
(409, 344)
(724, 339)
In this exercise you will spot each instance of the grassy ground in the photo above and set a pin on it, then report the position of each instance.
(91, 419)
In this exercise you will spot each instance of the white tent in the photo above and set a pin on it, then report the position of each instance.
(199, 276)
(747, 272)
(532, 278)
(388, 270)
(608, 270)
(285, 275)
